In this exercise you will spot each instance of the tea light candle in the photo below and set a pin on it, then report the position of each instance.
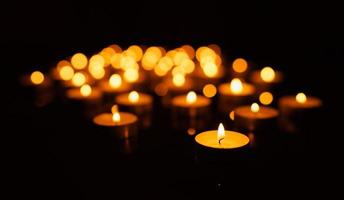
(84, 93)
(203, 76)
(255, 117)
(266, 77)
(234, 94)
(222, 139)
(139, 104)
(114, 85)
(36, 79)
(122, 124)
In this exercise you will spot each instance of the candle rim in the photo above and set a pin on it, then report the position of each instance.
(98, 119)
(227, 132)
(290, 101)
(247, 89)
(74, 93)
(245, 111)
(180, 101)
(255, 77)
(145, 99)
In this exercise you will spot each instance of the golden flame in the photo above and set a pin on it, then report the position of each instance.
(78, 79)
(267, 74)
(209, 90)
(134, 96)
(37, 77)
(255, 107)
(131, 75)
(79, 61)
(191, 97)
(66, 73)
(239, 65)
(178, 79)
(301, 97)
(220, 132)
(85, 90)
(236, 86)
(116, 117)
(266, 98)
(115, 81)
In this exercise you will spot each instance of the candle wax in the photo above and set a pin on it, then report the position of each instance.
(105, 119)
(180, 101)
(263, 113)
(290, 102)
(231, 140)
(105, 86)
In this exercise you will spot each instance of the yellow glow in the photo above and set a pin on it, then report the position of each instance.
(220, 132)
(191, 97)
(210, 69)
(216, 48)
(116, 117)
(149, 60)
(115, 81)
(97, 71)
(116, 60)
(110, 51)
(161, 69)
(137, 52)
(128, 62)
(79, 61)
(78, 79)
(161, 89)
(236, 86)
(114, 108)
(239, 65)
(37, 77)
(255, 107)
(301, 97)
(116, 48)
(206, 60)
(178, 79)
(178, 70)
(97, 61)
(267, 74)
(171, 54)
(155, 50)
(231, 115)
(180, 57)
(218, 60)
(266, 98)
(66, 73)
(107, 57)
(133, 96)
(204, 52)
(191, 131)
(61, 64)
(85, 90)
(131, 75)
(188, 65)
(189, 50)
(209, 90)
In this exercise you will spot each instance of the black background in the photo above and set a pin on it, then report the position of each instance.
(305, 41)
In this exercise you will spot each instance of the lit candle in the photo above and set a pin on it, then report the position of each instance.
(138, 103)
(36, 79)
(84, 93)
(187, 110)
(122, 124)
(234, 94)
(266, 78)
(114, 85)
(222, 139)
(255, 117)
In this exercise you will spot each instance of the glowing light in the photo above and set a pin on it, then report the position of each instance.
(178, 70)
(189, 50)
(188, 65)
(180, 57)
(66, 73)
(231, 115)
(116, 117)
(114, 108)
(137, 52)
(220, 132)
(115, 81)
(301, 97)
(133, 96)
(79, 61)
(107, 57)
(207, 52)
(216, 48)
(191, 131)
(210, 69)
(85, 90)
(116, 60)
(255, 107)
(266, 98)
(149, 60)
(97, 71)
(62, 63)
(155, 50)
(209, 90)
(116, 48)
(267, 74)
(37, 77)
(97, 61)
(236, 86)
(239, 65)
(161, 89)
(171, 54)
(128, 62)
(78, 79)
(161, 69)
(178, 80)
(191, 97)
(131, 75)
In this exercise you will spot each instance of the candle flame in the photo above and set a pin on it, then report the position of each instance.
(133, 96)
(210, 69)
(114, 108)
(78, 79)
(116, 117)
(37, 77)
(66, 73)
(267, 74)
(191, 97)
(236, 86)
(115, 81)
(220, 132)
(131, 75)
(231, 115)
(255, 107)
(86, 90)
(178, 79)
(301, 97)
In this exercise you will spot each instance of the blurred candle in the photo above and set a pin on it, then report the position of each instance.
(266, 78)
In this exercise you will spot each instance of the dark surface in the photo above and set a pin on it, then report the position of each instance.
(56, 154)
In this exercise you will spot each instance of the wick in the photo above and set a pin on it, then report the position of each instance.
(220, 140)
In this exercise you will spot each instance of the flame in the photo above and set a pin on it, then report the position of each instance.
(236, 86)
(220, 132)
(79, 61)
(239, 65)
(66, 73)
(255, 107)
(267, 74)
(209, 90)
(133, 96)
(131, 75)
(232, 115)
(116, 117)
(37, 77)
(114, 108)
(78, 79)
(301, 97)
(115, 81)
(85, 90)
(191, 97)
(178, 79)
(266, 98)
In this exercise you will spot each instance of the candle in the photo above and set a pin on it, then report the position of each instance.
(84, 93)
(266, 78)
(255, 117)
(234, 94)
(122, 124)
(36, 79)
(210, 74)
(294, 109)
(190, 111)
(113, 86)
(176, 85)
(139, 104)
(222, 139)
